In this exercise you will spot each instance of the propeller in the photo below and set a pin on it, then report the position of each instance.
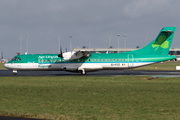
(60, 54)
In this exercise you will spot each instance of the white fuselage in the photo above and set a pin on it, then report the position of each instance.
(72, 66)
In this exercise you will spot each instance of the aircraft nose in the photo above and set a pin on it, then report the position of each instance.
(6, 65)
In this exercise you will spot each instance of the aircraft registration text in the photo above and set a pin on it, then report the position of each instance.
(115, 64)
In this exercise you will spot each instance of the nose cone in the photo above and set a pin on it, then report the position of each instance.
(6, 66)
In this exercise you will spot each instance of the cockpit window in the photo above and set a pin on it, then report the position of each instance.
(16, 58)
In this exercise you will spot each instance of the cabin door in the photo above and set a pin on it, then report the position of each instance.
(130, 60)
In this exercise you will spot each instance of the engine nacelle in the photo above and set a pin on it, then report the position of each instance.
(72, 55)
(86, 54)
(75, 55)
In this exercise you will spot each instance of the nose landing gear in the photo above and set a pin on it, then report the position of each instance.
(14, 72)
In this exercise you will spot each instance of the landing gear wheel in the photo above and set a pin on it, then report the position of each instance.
(82, 72)
(14, 73)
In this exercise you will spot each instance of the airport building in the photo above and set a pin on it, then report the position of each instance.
(4, 60)
(173, 51)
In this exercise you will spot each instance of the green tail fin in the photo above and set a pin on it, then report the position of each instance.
(162, 44)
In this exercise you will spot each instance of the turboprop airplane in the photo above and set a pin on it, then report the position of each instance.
(84, 61)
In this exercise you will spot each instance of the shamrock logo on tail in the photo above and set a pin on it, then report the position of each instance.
(160, 42)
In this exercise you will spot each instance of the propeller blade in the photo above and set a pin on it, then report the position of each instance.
(60, 54)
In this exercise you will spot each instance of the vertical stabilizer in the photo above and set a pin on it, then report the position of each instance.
(162, 44)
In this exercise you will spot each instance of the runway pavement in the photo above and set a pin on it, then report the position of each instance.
(16, 118)
(154, 73)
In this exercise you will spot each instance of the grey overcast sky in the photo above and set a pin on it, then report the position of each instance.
(43, 19)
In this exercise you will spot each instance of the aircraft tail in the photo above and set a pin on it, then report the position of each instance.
(162, 44)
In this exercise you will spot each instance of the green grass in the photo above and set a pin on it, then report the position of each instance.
(93, 98)
(2, 66)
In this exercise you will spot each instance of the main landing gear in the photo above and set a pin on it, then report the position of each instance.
(83, 72)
